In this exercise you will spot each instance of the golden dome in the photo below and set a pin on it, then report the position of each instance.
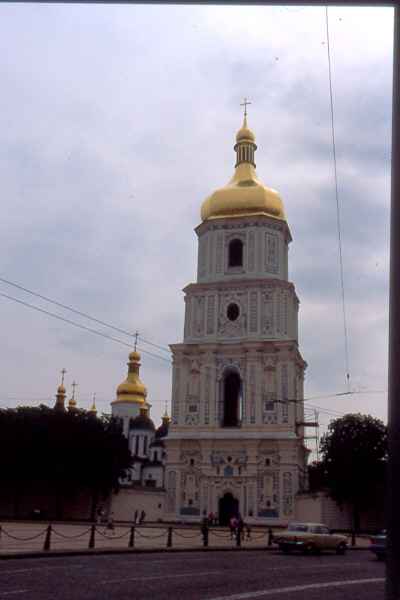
(132, 389)
(134, 356)
(245, 133)
(93, 410)
(244, 194)
(61, 389)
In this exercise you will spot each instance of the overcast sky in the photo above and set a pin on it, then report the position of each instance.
(117, 121)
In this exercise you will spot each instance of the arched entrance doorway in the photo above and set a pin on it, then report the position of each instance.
(232, 393)
(228, 507)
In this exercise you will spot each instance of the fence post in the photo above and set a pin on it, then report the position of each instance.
(169, 538)
(46, 545)
(91, 539)
(204, 531)
(132, 538)
(270, 537)
(238, 537)
(353, 538)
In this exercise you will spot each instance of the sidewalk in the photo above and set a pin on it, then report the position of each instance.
(21, 538)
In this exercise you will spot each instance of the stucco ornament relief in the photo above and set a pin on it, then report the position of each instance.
(227, 327)
(220, 457)
(224, 363)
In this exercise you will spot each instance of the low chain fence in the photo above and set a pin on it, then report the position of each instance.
(115, 536)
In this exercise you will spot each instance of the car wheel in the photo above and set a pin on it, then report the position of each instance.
(309, 548)
(341, 549)
(285, 549)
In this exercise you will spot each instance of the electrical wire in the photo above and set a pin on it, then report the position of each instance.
(81, 314)
(80, 326)
(346, 345)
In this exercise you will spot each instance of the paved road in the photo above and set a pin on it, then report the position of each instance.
(233, 575)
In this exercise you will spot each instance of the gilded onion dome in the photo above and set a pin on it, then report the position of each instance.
(93, 410)
(132, 389)
(72, 405)
(245, 194)
(61, 394)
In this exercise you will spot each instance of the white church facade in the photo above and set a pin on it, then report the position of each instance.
(235, 443)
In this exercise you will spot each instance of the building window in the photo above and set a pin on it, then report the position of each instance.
(233, 311)
(231, 400)
(136, 444)
(150, 483)
(267, 462)
(190, 502)
(145, 445)
(192, 462)
(235, 253)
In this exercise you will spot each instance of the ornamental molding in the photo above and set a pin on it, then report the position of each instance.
(230, 363)
(225, 457)
(264, 284)
(259, 221)
(229, 328)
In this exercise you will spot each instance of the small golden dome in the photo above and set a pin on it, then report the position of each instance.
(244, 194)
(132, 389)
(61, 389)
(245, 133)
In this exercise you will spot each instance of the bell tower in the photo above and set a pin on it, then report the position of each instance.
(235, 442)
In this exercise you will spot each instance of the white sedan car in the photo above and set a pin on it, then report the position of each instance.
(310, 538)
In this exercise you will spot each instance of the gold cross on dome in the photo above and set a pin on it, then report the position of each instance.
(245, 103)
(136, 339)
(63, 371)
(74, 385)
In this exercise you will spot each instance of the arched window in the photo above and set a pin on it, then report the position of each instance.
(235, 253)
(136, 445)
(145, 445)
(231, 400)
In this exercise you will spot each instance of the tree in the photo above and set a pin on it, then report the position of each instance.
(66, 452)
(316, 477)
(353, 465)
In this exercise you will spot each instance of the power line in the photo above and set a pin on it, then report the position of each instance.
(80, 326)
(81, 314)
(346, 346)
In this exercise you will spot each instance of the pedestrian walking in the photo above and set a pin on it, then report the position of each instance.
(232, 526)
(240, 527)
(142, 516)
(135, 516)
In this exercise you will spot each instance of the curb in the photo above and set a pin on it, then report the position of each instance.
(110, 551)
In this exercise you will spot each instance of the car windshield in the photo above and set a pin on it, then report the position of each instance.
(297, 527)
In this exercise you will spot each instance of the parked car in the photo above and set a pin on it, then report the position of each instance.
(310, 538)
(378, 545)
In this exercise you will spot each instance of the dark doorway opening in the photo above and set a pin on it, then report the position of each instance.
(232, 388)
(228, 507)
